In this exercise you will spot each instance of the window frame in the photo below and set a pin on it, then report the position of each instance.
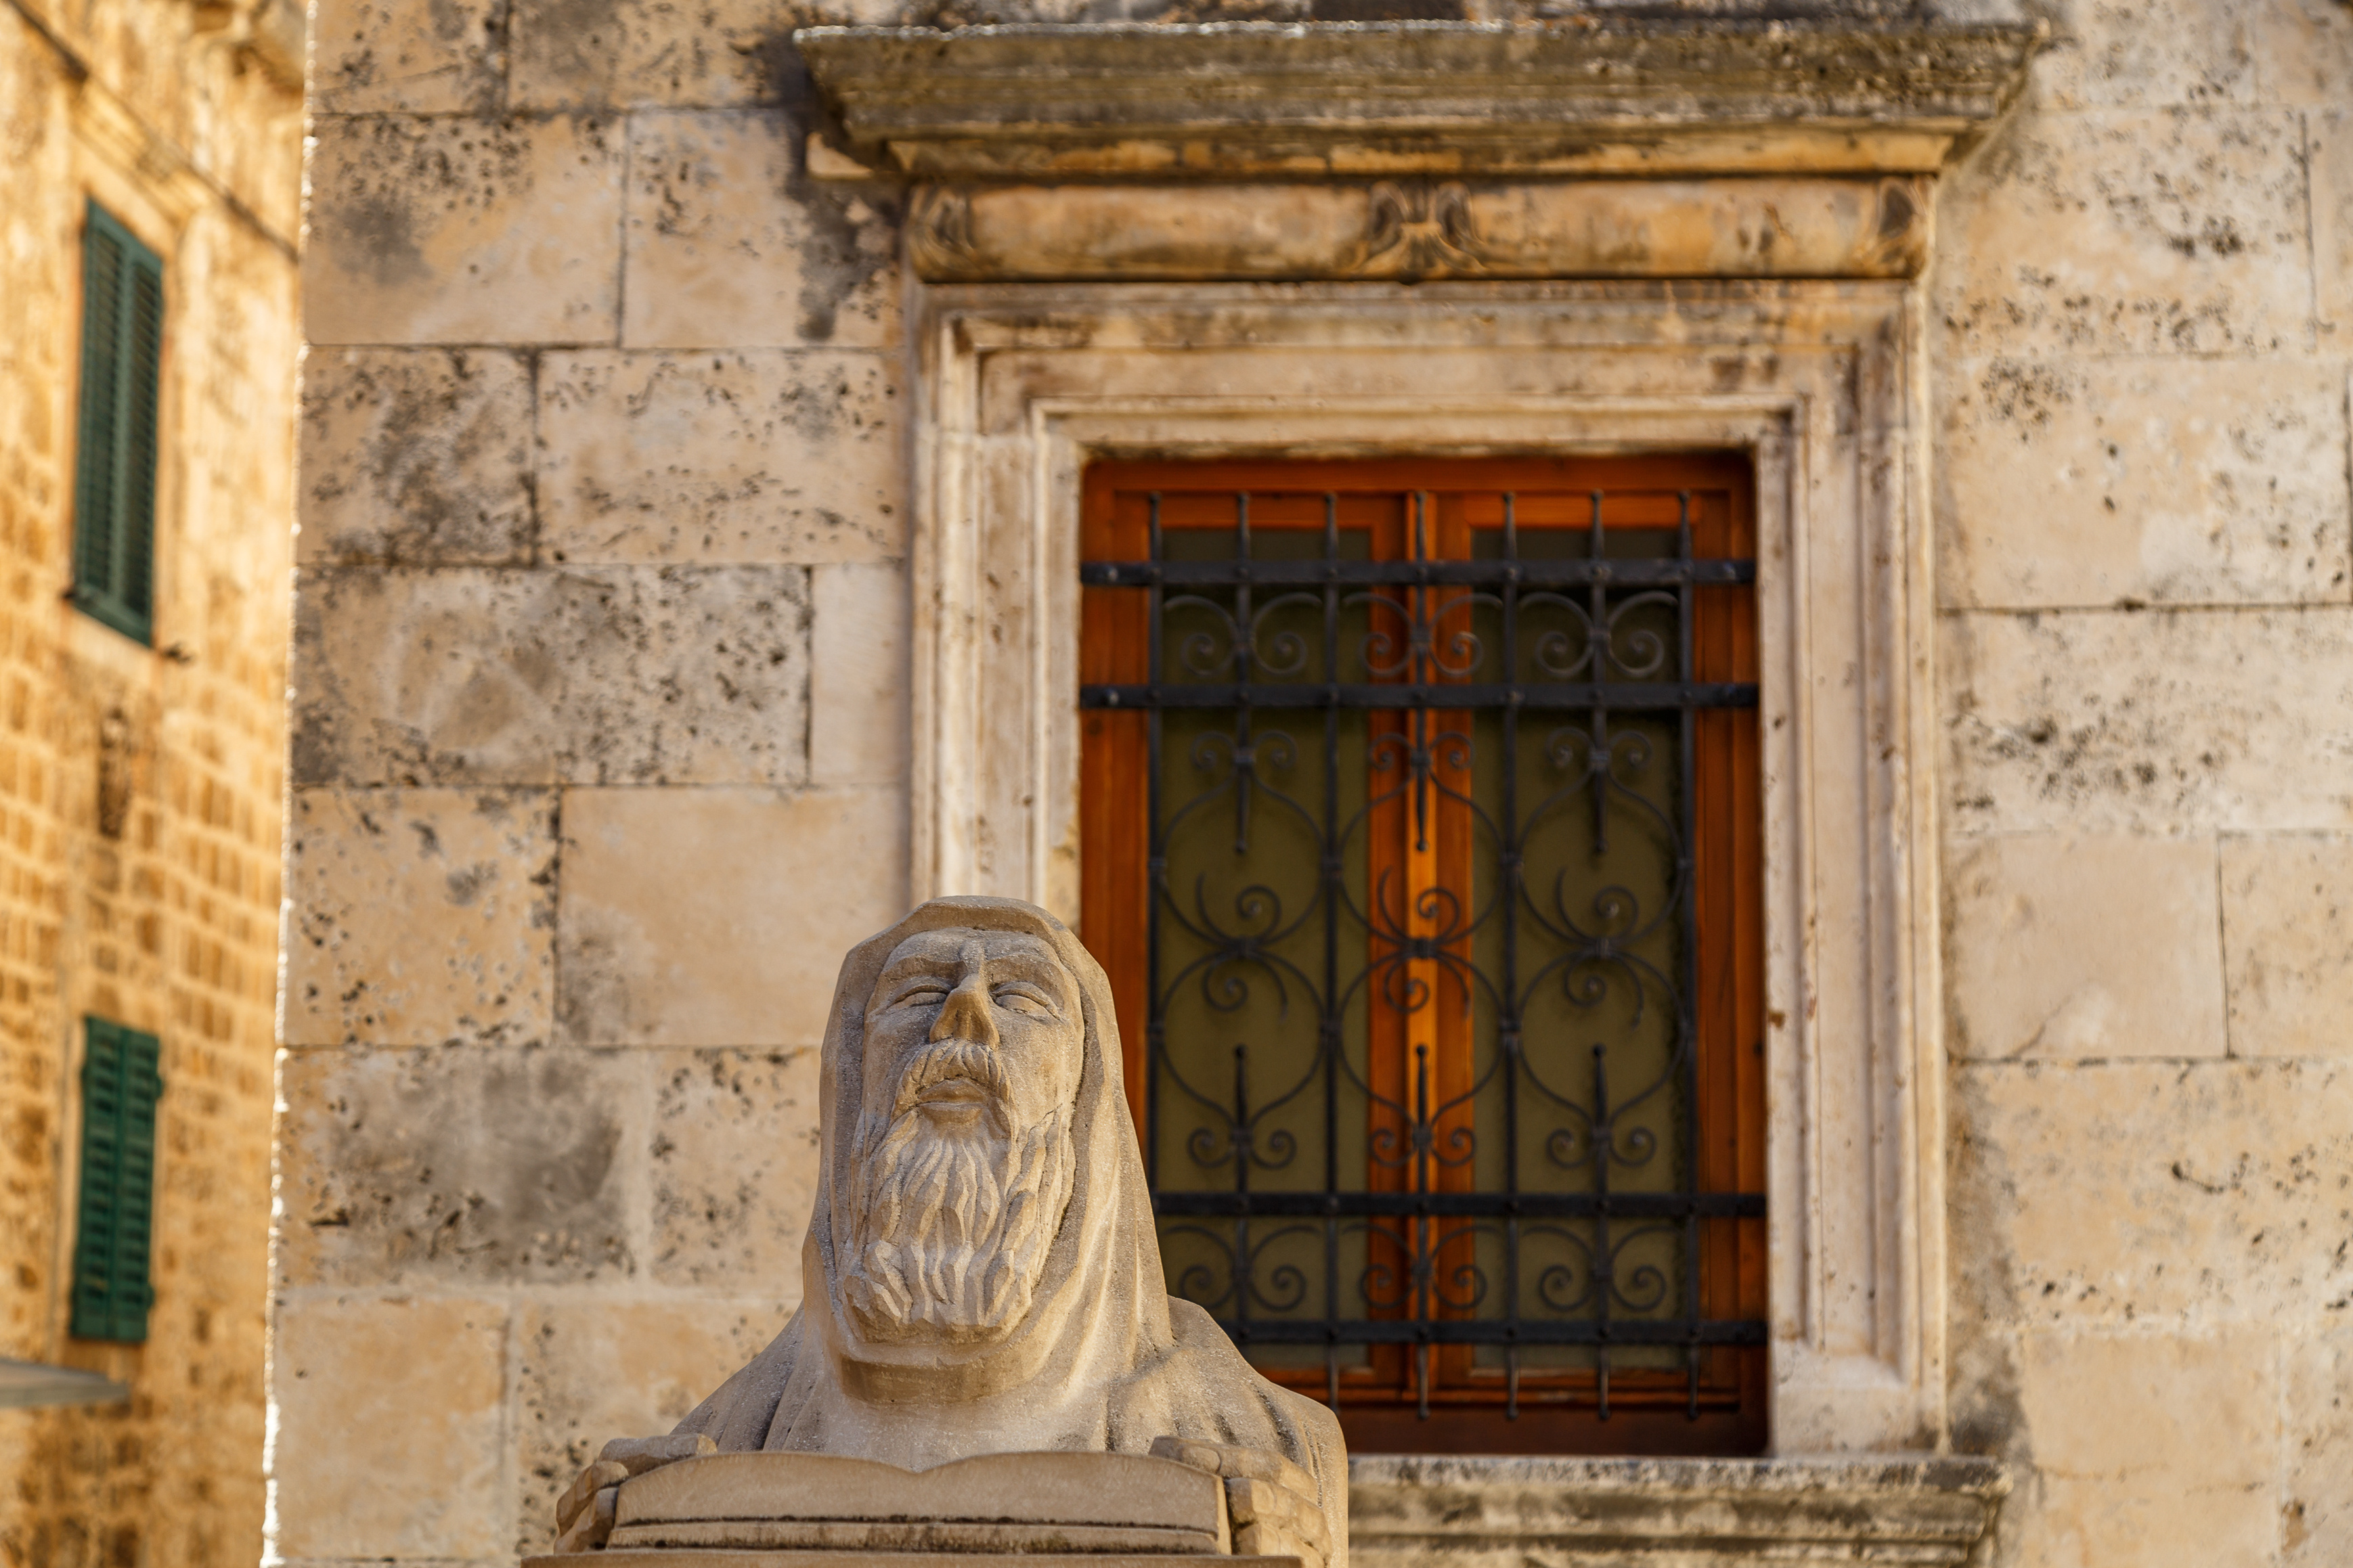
(1017, 386)
(118, 456)
(1441, 1404)
(113, 1289)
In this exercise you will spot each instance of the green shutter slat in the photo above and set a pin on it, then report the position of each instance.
(120, 1084)
(142, 368)
(98, 454)
(123, 359)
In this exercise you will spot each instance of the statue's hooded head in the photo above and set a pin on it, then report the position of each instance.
(980, 1171)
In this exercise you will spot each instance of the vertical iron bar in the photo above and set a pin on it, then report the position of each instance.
(1597, 607)
(1605, 1267)
(1328, 1024)
(1425, 1252)
(1245, 773)
(1155, 869)
(1687, 1006)
(1508, 993)
(1417, 633)
(1241, 1147)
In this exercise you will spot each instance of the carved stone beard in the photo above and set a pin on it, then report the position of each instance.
(953, 1223)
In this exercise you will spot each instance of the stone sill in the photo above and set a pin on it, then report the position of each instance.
(1924, 1510)
(1839, 89)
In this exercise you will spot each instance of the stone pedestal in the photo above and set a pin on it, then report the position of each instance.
(823, 1510)
(718, 1557)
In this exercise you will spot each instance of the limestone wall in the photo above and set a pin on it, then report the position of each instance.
(601, 682)
(2144, 314)
(141, 791)
(601, 675)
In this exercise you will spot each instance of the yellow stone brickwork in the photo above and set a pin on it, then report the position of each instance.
(142, 789)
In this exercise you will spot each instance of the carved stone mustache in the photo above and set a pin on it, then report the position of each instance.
(944, 1059)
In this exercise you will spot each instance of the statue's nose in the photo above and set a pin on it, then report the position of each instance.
(964, 1014)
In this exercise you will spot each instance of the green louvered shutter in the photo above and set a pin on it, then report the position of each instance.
(114, 478)
(120, 1086)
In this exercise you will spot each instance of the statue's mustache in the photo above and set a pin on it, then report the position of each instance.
(944, 1059)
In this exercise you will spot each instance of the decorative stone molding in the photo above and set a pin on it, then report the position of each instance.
(1416, 230)
(1919, 1511)
(1839, 89)
(1821, 383)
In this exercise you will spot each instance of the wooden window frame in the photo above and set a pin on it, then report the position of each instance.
(113, 1287)
(1554, 1413)
(118, 449)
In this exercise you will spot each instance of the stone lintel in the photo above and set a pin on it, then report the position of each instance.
(1842, 89)
(1477, 1512)
(1417, 230)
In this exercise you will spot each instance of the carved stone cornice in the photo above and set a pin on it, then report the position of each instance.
(1415, 230)
(1840, 90)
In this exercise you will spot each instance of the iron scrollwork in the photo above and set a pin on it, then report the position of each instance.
(1516, 1173)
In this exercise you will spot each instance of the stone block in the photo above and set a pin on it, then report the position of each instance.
(643, 53)
(2151, 1194)
(2084, 947)
(462, 231)
(2148, 53)
(2316, 1510)
(764, 457)
(589, 1371)
(390, 1414)
(2072, 482)
(735, 1169)
(2304, 52)
(2142, 1523)
(718, 916)
(2331, 150)
(420, 917)
(2127, 231)
(419, 456)
(603, 675)
(858, 676)
(377, 56)
(2287, 905)
(2159, 721)
(808, 264)
(2150, 1449)
(463, 1163)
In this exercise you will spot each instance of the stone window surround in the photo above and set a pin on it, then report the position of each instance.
(1020, 384)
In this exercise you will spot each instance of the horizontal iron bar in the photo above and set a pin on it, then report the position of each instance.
(1528, 695)
(1492, 1332)
(1634, 574)
(1461, 1205)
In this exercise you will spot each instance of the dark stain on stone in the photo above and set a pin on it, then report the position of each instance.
(379, 235)
(578, 41)
(852, 226)
(1896, 210)
(1387, 10)
(465, 1163)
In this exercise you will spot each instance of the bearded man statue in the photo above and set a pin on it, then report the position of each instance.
(981, 1273)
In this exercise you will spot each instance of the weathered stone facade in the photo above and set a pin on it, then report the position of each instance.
(142, 789)
(619, 413)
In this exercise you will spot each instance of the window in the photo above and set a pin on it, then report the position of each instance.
(114, 482)
(1421, 806)
(120, 1086)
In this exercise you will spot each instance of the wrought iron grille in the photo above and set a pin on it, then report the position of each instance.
(1423, 1100)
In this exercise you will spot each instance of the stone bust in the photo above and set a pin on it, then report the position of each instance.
(981, 1273)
